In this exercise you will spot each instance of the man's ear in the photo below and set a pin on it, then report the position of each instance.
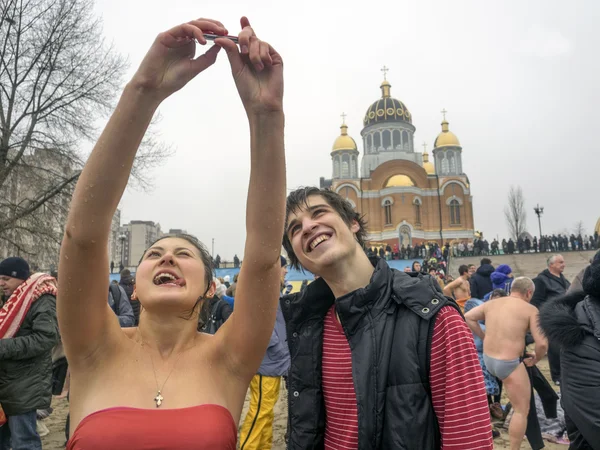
(355, 227)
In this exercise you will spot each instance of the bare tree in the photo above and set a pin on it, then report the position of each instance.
(515, 213)
(579, 229)
(58, 77)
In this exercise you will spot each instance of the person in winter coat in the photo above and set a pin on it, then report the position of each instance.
(28, 333)
(550, 284)
(379, 357)
(128, 284)
(481, 283)
(573, 322)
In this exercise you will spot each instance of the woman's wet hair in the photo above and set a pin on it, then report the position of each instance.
(204, 256)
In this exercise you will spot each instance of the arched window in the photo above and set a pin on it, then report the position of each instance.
(452, 162)
(376, 140)
(454, 212)
(353, 167)
(387, 206)
(396, 139)
(345, 169)
(336, 168)
(445, 166)
(387, 139)
(417, 212)
(369, 143)
(405, 140)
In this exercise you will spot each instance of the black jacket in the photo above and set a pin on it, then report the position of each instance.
(547, 287)
(26, 360)
(573, 321)
(389, 325)
(481, 284)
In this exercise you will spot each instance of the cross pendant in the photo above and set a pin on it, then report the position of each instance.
(158, 399)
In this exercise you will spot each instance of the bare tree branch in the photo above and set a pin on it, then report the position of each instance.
(579, 229)
(515, 213)
(58, 78)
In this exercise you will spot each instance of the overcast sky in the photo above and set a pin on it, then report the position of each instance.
(519, 81)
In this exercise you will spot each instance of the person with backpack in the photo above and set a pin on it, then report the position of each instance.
(119, 303)
(380, 359)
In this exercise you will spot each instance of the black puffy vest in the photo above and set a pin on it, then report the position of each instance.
(389, 326)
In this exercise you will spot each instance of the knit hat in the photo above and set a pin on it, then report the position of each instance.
(504, 268)
(15, 267)
(226, 279)
(283, 261)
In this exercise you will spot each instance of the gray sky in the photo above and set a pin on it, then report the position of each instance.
(519, 81)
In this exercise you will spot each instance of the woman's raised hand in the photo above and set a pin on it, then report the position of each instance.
(257, 70)
(170, 63)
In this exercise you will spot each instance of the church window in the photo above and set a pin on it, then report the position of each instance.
(452, 163)
(369, 143)
(405, 140)
(417, 212)
(353, 167)
(376, 140)
(387, 139)
(445, 165)
(454, 212)
(345, 169)
(396, 139)
(387, 206)
(336, 168)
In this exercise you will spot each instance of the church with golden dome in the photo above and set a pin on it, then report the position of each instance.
(406, 198)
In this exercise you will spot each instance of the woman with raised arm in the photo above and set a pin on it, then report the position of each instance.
(163, 385)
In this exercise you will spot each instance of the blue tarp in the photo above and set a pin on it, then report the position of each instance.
(293, 274)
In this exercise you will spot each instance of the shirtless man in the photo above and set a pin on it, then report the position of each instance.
(507, 320)
(460, 288)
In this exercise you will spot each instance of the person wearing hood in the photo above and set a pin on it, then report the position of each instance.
(502, 278)
(416, 266)
(550, 284)
(481, 284)
(572, 321)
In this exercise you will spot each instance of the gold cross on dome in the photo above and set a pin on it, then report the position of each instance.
(343, 116)
(385, 70)
(158, 399)
(444, 113)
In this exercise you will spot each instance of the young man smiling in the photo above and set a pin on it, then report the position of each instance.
(380, 359)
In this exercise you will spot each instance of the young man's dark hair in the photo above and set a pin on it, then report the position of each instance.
(485, 261)
(299, 199)
(463, 269)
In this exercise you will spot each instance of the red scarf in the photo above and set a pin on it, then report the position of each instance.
(17, 306)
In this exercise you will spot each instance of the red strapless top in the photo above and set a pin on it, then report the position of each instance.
(203, 427)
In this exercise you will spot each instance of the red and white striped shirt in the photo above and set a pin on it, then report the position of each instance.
(457, 388)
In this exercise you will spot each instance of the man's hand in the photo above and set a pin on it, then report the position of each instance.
(530, 360)
(257, 70)
(170, 64)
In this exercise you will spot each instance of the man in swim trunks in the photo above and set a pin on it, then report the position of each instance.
(507, 320)
(460, 288)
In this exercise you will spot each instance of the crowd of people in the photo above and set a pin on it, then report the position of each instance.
(371, 357)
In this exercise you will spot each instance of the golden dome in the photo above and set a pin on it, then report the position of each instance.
(400, 180)
(343, 141)
(446, 138)
(428, 166)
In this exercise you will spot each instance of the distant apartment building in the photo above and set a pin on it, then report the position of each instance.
(36, 236)
(132, 240)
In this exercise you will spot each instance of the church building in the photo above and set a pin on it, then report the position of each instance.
(405, 197)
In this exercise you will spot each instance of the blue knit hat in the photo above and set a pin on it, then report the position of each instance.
(15, 267)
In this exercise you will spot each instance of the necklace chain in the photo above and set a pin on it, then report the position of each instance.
(159, 398)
